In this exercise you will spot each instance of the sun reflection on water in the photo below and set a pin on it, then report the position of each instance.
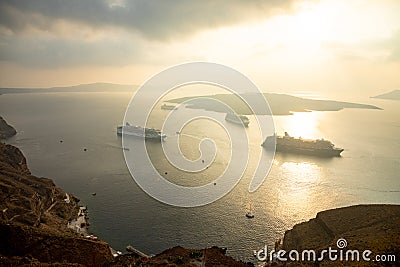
(301, 173)
(300, 124)
(300, 181)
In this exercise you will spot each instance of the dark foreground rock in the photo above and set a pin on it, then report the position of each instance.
(51, 247)
(34, 217)
(34, 214)
(179, 256)
(363, 227)
(6, 130)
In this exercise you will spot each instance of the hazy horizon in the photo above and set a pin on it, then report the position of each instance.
(129, 105)
(326, 47)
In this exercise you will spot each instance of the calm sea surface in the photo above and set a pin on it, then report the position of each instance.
(121, 213)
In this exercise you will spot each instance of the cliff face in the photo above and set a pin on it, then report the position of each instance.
(29, 200)
(18, 240)
(34, 217)
(364, 227)
(33, 227)
(6, 130)
(179, 256)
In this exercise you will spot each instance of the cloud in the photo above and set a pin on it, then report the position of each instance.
(384, 49)
(70, 33)
(394, 47)
(153, 19)
(53, 53)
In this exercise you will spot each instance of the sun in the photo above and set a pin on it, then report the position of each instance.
(308, 26)
(300, 124)
(298, 35)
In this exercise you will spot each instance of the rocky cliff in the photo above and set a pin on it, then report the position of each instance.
(6, 131)
(34, 217)
(179, 256)
(363, 227)
(34, 214)
(33, 227)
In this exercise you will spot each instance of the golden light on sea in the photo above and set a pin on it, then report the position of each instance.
(300, 179)
(300, 124)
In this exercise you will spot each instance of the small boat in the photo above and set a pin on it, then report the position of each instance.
(91, 237)
(249, 214)
(94, 193)
(239, 119)
(168, 107)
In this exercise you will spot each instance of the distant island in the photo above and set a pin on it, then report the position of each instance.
(91, 87)
(280, 104)
(393, 95)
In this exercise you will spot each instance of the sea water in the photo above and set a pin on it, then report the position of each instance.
(54, 129)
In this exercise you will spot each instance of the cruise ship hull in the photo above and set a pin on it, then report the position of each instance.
(287, 144)
(311, 152)
(128, 131)
(168, 107)
(237, 120)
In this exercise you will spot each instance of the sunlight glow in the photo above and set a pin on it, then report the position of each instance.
(300, 124)
(301, 178)
(305, 38)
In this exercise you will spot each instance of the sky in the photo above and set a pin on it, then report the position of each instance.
(326, 47)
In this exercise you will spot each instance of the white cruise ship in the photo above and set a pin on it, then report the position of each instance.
(239, 119)
(139, 131)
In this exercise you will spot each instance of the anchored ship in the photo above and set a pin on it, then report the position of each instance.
(239, 119)
(288, 144)
(147, 133)
(168, 107)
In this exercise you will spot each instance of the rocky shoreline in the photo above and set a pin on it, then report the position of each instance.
(41, 225)
(34, 216)
(6, 130)
(373, 227)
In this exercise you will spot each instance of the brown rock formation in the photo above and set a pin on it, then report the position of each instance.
(34, 217)
(179, 256)
(364, 227)
(6, 131)
(33, 227)
(357, 224)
